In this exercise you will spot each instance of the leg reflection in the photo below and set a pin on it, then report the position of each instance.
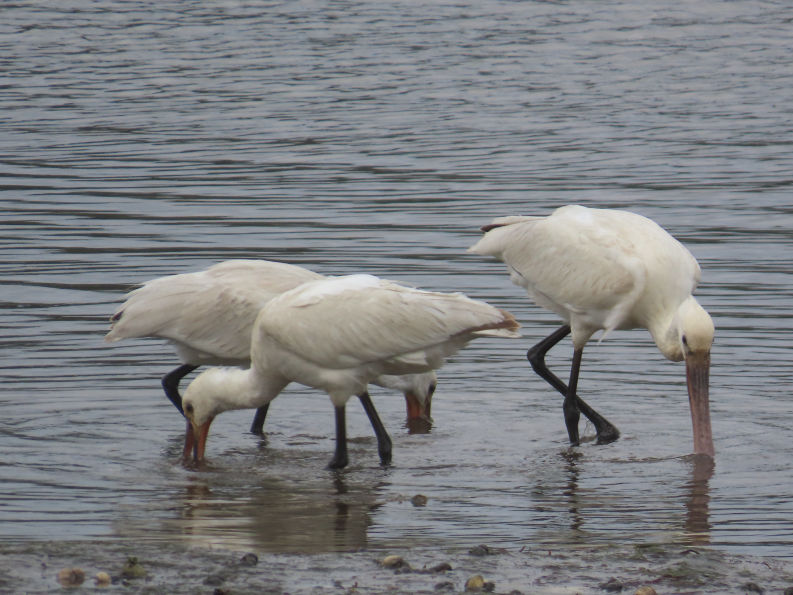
(571, 458)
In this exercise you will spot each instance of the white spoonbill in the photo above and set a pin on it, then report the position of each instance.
(208, 316)
(338, 335)
(604, 269)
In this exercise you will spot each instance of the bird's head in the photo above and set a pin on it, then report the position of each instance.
(418, 390)
(696, 333)
(200, 404)
(696, 328)
(418, 399)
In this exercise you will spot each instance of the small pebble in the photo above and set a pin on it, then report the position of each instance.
(475, 583)
(442, 567)
(102, 579)
(249, 559)
(480, 550)
(132, 569)
(753, 588)
(394, 561)
(419, 500)
(612, 585)
(71, 577)
(645, 590)
(444, 586)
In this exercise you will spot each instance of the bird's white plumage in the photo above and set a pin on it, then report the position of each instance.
(599, 269)
(401, 329)
(207, 315)
(339, 334)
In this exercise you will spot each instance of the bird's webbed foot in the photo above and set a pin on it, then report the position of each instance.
(339, 461)
(607, 433)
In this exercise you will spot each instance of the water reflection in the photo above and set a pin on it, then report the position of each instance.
(276, 516)
(419, 425)
(697, 523)
(570, 491)
(584, 500)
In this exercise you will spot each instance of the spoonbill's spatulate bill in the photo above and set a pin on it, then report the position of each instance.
(337, 335)
(208, 316)
(603, 269)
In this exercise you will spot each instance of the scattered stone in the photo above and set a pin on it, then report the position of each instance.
(612, 585)
(645, 590)
(753, 588)
(480, 550)
(394, 562)
(442, 567)
(102, 579)
(478, 583)
(71, 577)
(249, 559)
(419, 500)
(132, 569)
(445, 586)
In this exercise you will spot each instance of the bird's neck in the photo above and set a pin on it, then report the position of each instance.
(667, 338)
(246, 389)
(666, 330)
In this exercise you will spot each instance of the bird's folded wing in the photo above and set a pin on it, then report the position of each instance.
(578, 267)
(378, 322)
(211, 311)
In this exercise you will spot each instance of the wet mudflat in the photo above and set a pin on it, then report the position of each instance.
(170, 568)
(139, 141)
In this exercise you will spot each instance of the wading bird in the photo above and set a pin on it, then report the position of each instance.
(603, 269)
(208, 316)
(337, 335)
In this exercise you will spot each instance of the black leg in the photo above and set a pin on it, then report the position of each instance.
(383, 439)
(257, 427)
(571, 411)
(170, 384)
(606, 431)
(536, 357)
(340, 459)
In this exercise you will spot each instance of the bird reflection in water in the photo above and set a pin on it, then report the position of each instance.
(278, 516)
(696, 525)
(419, 425)
(571, 458)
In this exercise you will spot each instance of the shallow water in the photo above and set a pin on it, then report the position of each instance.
(141, 140)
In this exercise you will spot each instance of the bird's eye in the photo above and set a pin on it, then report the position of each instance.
(188, 408)
(684, 340)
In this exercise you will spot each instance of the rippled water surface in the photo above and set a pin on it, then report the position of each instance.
(143, 139)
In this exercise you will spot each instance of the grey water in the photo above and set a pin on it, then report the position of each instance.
(142, 139)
